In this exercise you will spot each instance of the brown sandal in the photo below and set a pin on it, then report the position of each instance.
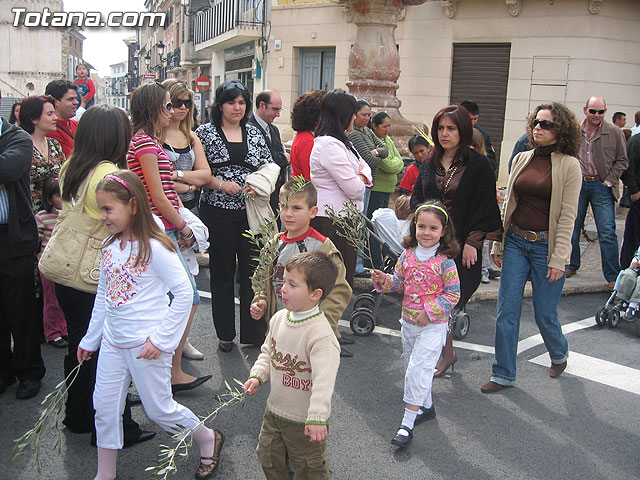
(207, 471)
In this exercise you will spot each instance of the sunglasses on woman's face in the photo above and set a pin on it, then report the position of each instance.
(544, 124)
(179, 103)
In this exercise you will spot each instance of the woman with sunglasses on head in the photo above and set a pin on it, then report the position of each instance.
(464, 181)
(151, 112)
(538, 214)
(234, 149)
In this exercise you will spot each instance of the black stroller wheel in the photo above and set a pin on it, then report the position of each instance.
(601, 317)
(462, 324)
(614, 318)
(364, 300)
(362, 322)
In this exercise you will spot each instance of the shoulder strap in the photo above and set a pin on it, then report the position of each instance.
(65, 131)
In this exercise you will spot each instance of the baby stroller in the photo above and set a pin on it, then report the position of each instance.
(610, 313)
(366, 305)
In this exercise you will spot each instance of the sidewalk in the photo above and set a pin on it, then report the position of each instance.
(589, 278)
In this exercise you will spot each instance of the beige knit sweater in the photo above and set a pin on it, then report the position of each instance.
(301, 359)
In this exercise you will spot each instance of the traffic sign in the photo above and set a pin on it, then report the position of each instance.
(149, 76)
(203, 83)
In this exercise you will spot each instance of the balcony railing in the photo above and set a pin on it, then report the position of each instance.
(226, 15)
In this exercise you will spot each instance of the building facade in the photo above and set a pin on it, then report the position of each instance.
(117, 89)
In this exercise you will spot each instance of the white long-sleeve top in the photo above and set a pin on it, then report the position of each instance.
(334, 173)
(132, 303)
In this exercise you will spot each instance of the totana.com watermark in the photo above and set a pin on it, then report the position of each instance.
(47, 18)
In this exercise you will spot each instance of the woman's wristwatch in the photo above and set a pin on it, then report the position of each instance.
(179, 174)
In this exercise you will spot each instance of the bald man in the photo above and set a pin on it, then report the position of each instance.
(603, 159)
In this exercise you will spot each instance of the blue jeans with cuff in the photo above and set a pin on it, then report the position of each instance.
(521, 258)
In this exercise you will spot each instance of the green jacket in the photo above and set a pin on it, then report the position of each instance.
(388, 169)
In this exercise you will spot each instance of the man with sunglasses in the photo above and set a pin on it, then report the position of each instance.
(603, 159)
(268, 108)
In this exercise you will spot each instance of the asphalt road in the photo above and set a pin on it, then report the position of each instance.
(583, 425)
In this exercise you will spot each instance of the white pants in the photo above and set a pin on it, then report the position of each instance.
(421, 347)
(116, 368)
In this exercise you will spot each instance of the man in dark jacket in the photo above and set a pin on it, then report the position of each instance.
(474, 114)
(631, 179)
(268, 108)
(18, 244)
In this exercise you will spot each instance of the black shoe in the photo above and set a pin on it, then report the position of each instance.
(58, 343)
(346, 341)
(494, 274)
(425, 414)
(345, 353)
(133, 399)
(225, 347)
(143, 437)
(28, 388)
(6, 383)
(181, 387)
(402, 440)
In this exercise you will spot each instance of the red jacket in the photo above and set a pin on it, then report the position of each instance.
(64, 135)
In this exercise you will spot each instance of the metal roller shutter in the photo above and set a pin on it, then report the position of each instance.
(480, 73)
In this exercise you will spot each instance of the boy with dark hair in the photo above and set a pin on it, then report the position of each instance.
(474, 114)
(301, 357)
(420, 149)
(296, 211)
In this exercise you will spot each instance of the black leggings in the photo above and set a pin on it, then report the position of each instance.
(469, 278)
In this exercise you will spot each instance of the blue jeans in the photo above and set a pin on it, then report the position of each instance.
(603, 206)
(521, 258)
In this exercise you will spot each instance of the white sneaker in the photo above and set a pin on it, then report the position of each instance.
(485, 279)
(191, 352)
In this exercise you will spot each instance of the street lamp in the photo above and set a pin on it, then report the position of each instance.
(160, 48)
(147, 60)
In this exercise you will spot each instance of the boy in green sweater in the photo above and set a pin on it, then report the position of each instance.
(296, 213)
(300, 356)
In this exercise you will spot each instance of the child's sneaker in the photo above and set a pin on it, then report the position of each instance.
(631, 313)
(622, 306)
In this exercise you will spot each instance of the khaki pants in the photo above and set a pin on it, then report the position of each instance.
(282, 445)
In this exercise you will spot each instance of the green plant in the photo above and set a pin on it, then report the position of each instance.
(351, 225)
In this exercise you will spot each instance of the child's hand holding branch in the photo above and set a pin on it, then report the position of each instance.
(251, 386)
(378, 276)
(83, 355)
(316, 433)
(257, 309)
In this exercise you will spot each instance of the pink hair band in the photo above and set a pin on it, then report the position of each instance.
(119, 180)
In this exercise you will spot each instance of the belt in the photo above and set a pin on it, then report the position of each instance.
(587, 178)
(530, 235)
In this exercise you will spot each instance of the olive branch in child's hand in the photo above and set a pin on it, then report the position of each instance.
(166, 462)
(52, 414)
(351, 225)
(262, 240)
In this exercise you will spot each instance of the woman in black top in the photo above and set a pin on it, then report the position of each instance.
(234, 149)
(464, 181)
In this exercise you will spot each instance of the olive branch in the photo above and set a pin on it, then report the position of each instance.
(262, 240)
(352, 225)
(166, 462)
(51, 415)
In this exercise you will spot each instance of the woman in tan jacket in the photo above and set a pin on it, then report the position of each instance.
(538, 216)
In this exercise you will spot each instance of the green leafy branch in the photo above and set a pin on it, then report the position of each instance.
(51, 415)
(166, 462)
(351, 225)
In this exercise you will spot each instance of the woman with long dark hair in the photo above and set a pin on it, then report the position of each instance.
(101, 143)
(539, 212)
(464, 181)
(234, 149)
(304, 120)
(337, 171)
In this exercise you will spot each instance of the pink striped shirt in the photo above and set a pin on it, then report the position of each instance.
(45, 221)
(141, 143)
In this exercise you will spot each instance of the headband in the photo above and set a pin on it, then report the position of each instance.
(437, 207)
(119, 180)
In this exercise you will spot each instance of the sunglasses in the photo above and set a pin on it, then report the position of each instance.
(593, 111)
(233, 84)
(169, 106)
(179, 103)
(544, 124)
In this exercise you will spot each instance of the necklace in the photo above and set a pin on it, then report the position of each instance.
(453, 170)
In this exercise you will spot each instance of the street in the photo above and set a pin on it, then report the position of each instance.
(583, 425)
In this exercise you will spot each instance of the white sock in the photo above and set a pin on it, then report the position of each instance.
(205, 438)
(633, 304)
(408, 420)
(107, 460)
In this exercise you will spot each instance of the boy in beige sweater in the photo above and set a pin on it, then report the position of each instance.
(300, 356)
(296, 212)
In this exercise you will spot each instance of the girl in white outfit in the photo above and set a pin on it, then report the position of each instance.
(133, 325)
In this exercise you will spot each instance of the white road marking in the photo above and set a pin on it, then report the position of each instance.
(535, 340)
(596, 370)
